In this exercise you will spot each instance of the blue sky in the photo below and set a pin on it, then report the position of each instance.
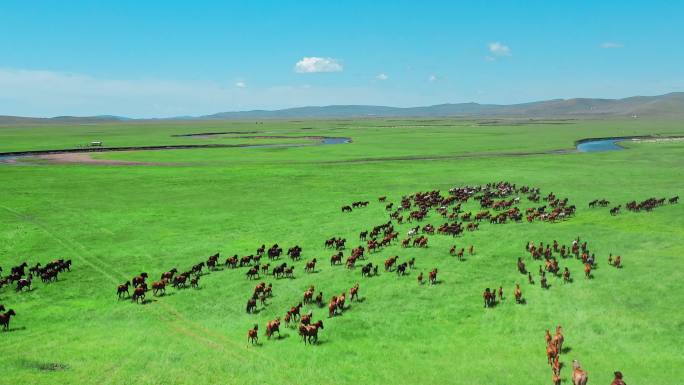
(166, 58)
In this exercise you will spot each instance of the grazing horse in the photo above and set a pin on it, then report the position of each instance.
(5, 318)
(123, 289)
(420, 278)
(432, 276)
(252, 334)
(587, 270)
(194, 282)
(354, 292)
(272, 327)
(618, 262)
(579, 376)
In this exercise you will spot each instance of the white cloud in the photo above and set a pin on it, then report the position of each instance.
(382, 77)
(498, 49)
(317, 64)
(240, 84)
(609, 45)
(432, 78)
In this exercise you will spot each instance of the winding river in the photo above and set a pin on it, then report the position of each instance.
(582, 146)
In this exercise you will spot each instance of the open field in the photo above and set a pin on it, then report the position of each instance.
(115, 221)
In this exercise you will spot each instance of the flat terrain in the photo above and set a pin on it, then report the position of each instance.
(175, 208)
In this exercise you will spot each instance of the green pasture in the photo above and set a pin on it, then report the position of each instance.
(117, 221)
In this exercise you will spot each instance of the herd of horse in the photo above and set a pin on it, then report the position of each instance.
(499, 204)
(22, 276)
(646, 205)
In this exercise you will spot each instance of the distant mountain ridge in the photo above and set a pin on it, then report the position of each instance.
(668, 105)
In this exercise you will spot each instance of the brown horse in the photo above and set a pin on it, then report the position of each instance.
(618, 262)
(139, 279)
(169, 274)
(251, 304)
(123, 289)
(579, 376)
(618, 379)
(558, 340)
(332, 307)
(556, 366)
(420, 278)
(432, 276)
(272, 327)
(551, 353)
(354, 292)
(517, 293)
(309, 333)
(252, 335)
(159, 287)
(139, 293)
(310, 266)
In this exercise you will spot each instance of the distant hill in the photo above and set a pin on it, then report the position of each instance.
(664, 105)
(668, 105)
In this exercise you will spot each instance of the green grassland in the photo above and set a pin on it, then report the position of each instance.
(116, 221)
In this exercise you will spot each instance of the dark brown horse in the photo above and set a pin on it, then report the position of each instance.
(5, 318)
(122, 290)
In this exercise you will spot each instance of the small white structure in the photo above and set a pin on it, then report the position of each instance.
(95, 144)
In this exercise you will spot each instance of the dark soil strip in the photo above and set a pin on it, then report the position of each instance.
(324, 140)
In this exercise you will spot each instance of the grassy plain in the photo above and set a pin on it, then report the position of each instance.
(116, 221)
